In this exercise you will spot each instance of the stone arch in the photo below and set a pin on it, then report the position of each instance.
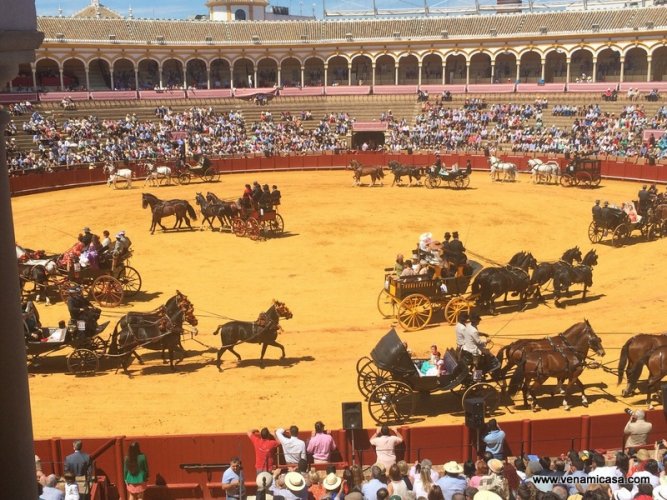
(362, 70)
(408, 70)
(221, 74)
(505, 67)
(455, 69)
(608, 68)
(480, 68)
(432, 69)
(243, 73)
(635, 67)
(196, 73)
(290, 72)
(313, 72)
(337, 71)
(240, 15)
(530, 64)
(74, 73)
(385, 70)
(48, 73)
(99, 74)
(24, 78)
(149, 73)
(123, 74)
(658, 64)
(555, 66)
(581, 64)
(267, 72)
(172, 73)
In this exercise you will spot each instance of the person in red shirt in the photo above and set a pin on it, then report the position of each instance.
(264, 445)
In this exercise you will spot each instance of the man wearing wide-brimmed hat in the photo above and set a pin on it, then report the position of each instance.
(637, 429)
(495, 481)
(452, 482)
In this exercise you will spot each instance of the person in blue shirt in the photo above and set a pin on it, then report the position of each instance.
(232, 482)
(371, 487)
(494, 439)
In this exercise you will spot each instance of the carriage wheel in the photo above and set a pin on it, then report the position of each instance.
(465, 180)
(586, 179)
(619, 235)
(107, 291)
(566, 180)
(131, 280)
(370, 376)
(63, 287)
(594, 233)
(207, 176)
(83, 362)
(454, 307)
(414, 312)
(253, 229)
(432, 182)
(184, 179)
(391, 403)
(238, 226)
(98, 345)
(597, 180)
(386, 304)
(277, 225)
(459, 183)
(485, 391)
(165, 180)
(362, 361)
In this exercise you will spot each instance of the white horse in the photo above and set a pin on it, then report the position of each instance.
(124, 174)
(544, 172)
(507, 169)
(155, 174)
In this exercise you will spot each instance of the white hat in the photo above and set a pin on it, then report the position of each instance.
(263, 477)
(486, 495)
(660, 492)
(452, 468)
(294, 481)
(331, 482)
(623, 494)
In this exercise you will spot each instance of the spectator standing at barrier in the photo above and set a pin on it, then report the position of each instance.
(321, 444)
(135, 471)
(80, 464)
(385, 445)
(637, 429)
(264, 446)
(294, 448)
(494, 439)
(232, 481)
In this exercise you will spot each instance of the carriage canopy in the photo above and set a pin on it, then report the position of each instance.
(390, 354)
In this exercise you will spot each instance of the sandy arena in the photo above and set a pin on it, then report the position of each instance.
(328, 268)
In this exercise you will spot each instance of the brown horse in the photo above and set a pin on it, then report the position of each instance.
(229, 208)
(657, 216)
(160, 208)
(375, 172)
(656, 361)
(516, 351)
(566, 362)
(633, 350)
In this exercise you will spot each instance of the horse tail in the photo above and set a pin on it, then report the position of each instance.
(517, 377)
(217, 330)
(191, 211)
(113, 343)
(623, 361)
(636, 372)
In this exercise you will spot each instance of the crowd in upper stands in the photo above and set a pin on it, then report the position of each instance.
(472, 127)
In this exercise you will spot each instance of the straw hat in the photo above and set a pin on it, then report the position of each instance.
(331, 482)
(452, 468)
(642, 455)
(486, 495)
(261, 478)
(294, 481)
(495, 465)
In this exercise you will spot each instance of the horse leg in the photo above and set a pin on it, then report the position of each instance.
(279, 346)
(219, 355)
(584, 401)
(231, 349)
(583, 296)
(532, 390)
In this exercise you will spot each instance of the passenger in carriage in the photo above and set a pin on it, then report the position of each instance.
(275, 195)
(266, 200)
(399, 265)
(80, 309)
(653, 190)
(247, 191)
(437, 163)
(256, 192)
(31, 320)
(457, 256)
(121, 249)
(106, 241)
(597, 211)
(86, 237)
(245, 202)
(407, 270)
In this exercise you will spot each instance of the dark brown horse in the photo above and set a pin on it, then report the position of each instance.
(566, 276)
(263, 331)
(229, 208)
(400, 170)
(566, 362)
(657, 216)
(165, 208)
(656, 362)
(633, 350)
(375, 172)
(544, 272)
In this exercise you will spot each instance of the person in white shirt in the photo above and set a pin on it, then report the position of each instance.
(460, 329)
(294, 449)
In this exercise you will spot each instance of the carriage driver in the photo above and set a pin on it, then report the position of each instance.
(80, 309)
(120, 249)
(438, 163)
(474, 342)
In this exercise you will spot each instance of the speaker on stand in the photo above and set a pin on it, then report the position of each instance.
(352, 421)
(474, 416)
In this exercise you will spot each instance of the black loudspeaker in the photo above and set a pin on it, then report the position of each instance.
(352, 416)
(474, 412)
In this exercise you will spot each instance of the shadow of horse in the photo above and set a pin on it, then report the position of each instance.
(553, 403)
(287, 362)
(143, 296)
(190, 367)
(574, 298)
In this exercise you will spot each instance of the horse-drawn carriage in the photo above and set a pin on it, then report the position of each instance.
(413, 299)
(455, 178)
(390, 378)
(258, 222)
(581, 171)
(616, 223)
(201, 169)
(107, 286)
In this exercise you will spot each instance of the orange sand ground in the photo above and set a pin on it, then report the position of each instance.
(329, 270)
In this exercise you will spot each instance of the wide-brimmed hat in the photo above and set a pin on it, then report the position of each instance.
(452, 468)
(623, 494)
(495, 465)
(294, 481)
(86, 229)
(264, 480)
(642, 455)
(486, 495)
(331, 482)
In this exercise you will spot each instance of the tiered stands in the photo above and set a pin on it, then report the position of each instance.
(346, 90)
(494, 88)
(591, 87)
(105, 95)
(59, 96)
(395, 89)
(209, 93)
(162, 94)
(540, 88)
